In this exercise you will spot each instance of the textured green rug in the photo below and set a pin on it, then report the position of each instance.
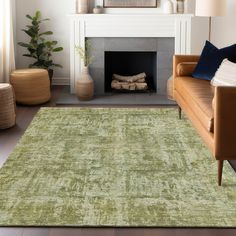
(114, 167)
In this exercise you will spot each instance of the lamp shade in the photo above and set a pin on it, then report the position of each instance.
(210, 7)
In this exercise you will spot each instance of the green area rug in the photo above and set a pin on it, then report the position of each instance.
(114, 167)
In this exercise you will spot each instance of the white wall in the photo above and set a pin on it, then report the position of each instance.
(223, 30)
(57, 11)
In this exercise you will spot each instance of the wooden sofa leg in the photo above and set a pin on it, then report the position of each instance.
(180, 112)
(220, 171)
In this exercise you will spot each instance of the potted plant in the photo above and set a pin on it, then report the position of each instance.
(85, 84)
(39, 48)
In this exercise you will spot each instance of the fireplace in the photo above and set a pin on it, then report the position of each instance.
(164, 34)
(130, 71)
(130, 57)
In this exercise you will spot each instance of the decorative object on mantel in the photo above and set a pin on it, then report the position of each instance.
(39, 48)
(174, 6)
(168, 7)
(131, 83)
(85, 84)
(180, 6)
(189, 6)
(210, 8)
(98, 10)
(130, 3)
(83, 6)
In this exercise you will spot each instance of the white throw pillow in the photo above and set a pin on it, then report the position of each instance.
(225, 75)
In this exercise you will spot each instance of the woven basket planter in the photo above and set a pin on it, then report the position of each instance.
(7, 106)
(32, 86)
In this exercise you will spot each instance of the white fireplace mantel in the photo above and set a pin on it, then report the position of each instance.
(177, 26)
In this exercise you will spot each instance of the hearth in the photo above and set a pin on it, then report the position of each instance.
(130, 72)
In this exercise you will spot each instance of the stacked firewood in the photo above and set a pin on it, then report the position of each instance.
(132, 83)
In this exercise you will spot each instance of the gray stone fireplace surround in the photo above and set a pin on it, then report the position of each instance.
(164, 48)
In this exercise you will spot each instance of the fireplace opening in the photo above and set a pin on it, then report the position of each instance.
(130, 71)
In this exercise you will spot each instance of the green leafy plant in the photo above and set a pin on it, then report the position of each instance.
(85, 53)
(39, 48)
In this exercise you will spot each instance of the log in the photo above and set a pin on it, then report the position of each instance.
(132, 87)
(130, 79)
(141, 86)
(128, 86)
(138, 81)
(116, 85)
(125, 86)
(143, 80)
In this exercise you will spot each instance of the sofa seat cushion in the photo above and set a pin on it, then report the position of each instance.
(198, 94)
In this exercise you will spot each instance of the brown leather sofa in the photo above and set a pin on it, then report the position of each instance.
(212, 111)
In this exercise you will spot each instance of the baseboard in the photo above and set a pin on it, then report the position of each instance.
(61, 81)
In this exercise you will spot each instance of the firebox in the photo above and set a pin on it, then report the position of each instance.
(127, 71)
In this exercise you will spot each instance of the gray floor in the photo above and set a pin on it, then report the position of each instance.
(143, 99)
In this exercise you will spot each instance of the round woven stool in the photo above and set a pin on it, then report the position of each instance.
(31, 86)
(7, 106)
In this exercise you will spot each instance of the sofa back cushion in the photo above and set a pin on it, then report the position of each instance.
(225, 75)
(210, 60)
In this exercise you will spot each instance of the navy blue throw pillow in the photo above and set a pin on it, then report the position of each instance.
(210, 60)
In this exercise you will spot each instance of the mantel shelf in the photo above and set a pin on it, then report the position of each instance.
(109, 15)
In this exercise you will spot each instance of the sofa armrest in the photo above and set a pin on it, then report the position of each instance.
(177, 59)
(225, 123)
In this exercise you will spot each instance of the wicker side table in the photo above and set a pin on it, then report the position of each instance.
(31, 86)
(7, 106)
